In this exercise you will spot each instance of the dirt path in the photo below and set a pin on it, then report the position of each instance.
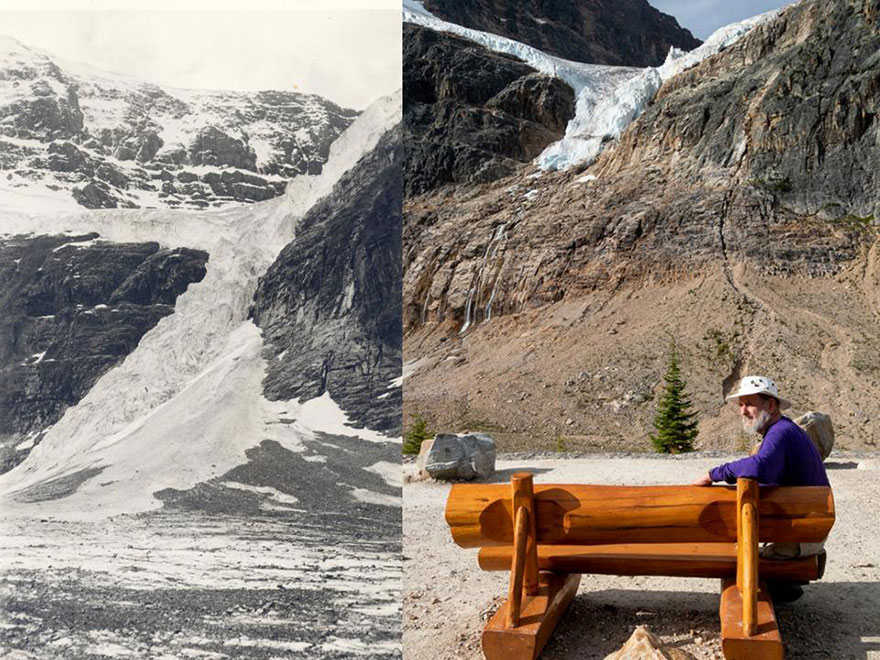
(447, 598)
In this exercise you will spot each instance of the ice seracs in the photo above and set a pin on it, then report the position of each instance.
(608, 98)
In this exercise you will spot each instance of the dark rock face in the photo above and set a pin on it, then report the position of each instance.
(329, 306)
(767, 153)
(214, 147)
(103, 140)
(620, 32)
(72, 308)
(471, 115)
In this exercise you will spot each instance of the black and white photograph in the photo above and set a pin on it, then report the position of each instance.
(200, 344)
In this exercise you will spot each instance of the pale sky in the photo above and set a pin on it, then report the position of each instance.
(348, 51)
(703, 17)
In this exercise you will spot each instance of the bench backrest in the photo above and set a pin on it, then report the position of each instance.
(482, 514)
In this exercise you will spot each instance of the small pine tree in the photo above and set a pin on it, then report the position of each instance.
(418, 432)
(674, 421)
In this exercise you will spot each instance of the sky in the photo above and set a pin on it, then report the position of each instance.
(703, 17)
(348, 51)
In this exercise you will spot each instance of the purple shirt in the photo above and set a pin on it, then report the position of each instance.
(787, 458)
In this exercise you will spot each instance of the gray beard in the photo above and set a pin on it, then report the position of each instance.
(755, 425)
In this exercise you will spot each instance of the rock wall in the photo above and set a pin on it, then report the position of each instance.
(471, 115)
(329, 306)
(72, 308)
(767, 153)
(620, 32)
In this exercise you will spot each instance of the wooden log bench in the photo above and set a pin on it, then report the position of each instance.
(548, 535)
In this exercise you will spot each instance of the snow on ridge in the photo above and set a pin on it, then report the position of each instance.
(576, 74)
(609, 98)
(145, 422)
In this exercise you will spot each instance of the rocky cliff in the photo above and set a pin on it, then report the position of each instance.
(742, 203)
(99, 140)
(471, 115)
(72, 307)
(620, 32)
(329, 306)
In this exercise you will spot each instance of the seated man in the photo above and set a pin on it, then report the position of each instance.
(787, 457)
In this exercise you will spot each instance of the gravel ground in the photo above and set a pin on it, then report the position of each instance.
(447, 598)
(188, 585)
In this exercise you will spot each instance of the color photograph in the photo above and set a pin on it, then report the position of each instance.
(641, 279)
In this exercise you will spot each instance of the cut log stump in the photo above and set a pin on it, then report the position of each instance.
(539, 615)
(765, 644)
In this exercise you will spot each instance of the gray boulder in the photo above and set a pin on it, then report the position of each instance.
(818, 427)
(467, 456)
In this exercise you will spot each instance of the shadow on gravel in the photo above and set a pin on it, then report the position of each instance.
(841, 465)
(832, 620)
(599, 623)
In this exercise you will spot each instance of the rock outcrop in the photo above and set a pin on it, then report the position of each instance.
(450, 456)
(623, 32)
(103, 141)
(72, 308)
(329, 306)
(643, 645)
(745, 195)
(471, 115)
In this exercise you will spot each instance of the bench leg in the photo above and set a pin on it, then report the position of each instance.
(539, 615)
(765, 644)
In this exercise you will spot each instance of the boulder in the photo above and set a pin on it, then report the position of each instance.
(95, 195)
(466, 456)
(818, 427)
(642, 645)
(65, 157)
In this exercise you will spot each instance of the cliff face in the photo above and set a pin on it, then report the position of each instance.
(471, 115)
(72, 308)
(758, 165)
(619, 32)
(100, 140)
(329, 307)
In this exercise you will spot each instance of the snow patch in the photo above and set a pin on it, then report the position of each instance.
(390, 472)
(372, 497)
(272, 493)
(322, 414)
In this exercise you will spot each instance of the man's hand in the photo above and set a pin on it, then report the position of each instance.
(705, 480)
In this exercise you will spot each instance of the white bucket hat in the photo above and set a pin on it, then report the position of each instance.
(759, 385)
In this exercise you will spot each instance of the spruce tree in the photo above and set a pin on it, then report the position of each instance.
(674, 421)
(418, 432)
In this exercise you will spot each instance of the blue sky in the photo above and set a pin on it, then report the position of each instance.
(702, 17)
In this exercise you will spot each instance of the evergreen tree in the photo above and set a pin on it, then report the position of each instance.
(418, 432)
(674, 421)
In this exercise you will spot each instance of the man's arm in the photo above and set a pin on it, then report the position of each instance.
(766, 466)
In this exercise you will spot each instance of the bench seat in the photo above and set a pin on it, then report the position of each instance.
(705, 560)
(548, 535)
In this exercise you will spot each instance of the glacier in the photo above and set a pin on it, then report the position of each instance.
(608, 98)
(145, 424)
